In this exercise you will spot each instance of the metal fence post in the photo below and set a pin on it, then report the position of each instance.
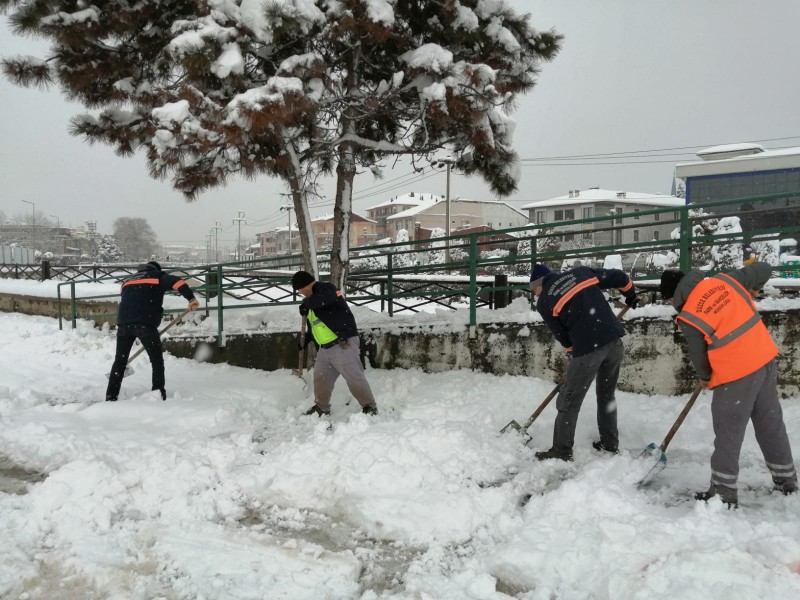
(389, 285)
(73, 305)
(60, 317)
(500, 297)
(473, 280)
(45, 270)
(220, 338)
(685, 261)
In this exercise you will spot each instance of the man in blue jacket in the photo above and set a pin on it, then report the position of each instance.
(580, 318)
(140, 312)
(333, 329)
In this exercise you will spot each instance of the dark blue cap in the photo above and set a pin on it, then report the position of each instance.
(539, 271)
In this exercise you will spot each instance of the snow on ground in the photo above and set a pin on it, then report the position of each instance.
(225, 491)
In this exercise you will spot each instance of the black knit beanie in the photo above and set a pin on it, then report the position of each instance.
(669, 282)
(301, 279)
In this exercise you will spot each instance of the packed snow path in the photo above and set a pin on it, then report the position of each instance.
(226, 492)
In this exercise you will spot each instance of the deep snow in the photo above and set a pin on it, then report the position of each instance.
(226, 492)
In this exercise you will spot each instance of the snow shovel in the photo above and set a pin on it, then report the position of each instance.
(658, 453)
(524, 428)
(302, 354)
(176, 320)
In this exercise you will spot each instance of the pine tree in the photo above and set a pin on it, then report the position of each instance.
(295, 90)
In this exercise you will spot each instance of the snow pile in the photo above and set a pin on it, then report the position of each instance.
(226, 491)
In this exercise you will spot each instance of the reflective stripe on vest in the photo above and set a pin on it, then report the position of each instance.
(562, 302)
(721, 305)
(321, 332)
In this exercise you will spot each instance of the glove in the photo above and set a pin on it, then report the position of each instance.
(193, 304)
(632, 300)
(303, 310)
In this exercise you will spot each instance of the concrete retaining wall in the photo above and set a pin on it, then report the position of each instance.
(48, 307)
(655, 361)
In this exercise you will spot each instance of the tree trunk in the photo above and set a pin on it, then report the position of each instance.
(302, 215)
(340, 254)
(345, 174)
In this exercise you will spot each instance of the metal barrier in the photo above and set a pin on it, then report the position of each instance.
(485, 266)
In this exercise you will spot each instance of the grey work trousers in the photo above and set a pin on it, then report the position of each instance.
(734, 404)
(342, 359)
(604, 364)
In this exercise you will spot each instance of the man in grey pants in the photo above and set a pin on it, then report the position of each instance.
(579, 317)
(733, 354)
(333, 329)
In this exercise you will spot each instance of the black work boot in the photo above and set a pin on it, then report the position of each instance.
(554, 454)
(727, 495)
(369, 410)
(163, 393)
(316, 410)
(785, 486)
(110, 399)
(600, 447)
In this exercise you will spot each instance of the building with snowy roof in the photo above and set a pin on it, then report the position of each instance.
(738, 171)
(419, 221)
(597, 202)
(381, 212)
(362, 231)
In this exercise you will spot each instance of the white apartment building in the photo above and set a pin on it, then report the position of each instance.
(597, 202)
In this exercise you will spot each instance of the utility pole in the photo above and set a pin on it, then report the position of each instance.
(208, 247)
(216, 229)
(448, 162)
(33, 225)
(239, 219)
(58, 221)
(288, 208)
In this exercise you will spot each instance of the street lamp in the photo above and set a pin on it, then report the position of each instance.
(33, 209)
(58, 221)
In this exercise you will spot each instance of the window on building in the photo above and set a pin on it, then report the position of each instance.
(657, 217)
(541, 217)
(569, 214)
(618, 210)
(559, 215)
(588, 212)
(636, 234)
(635, 214)
(676, 215)
(656, 235)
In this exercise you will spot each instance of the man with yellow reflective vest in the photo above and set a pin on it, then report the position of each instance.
(333, 329)
(733, 354)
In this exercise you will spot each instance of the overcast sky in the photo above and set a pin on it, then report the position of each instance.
(632, 76)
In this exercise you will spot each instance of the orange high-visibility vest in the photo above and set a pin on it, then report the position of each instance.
(738, 342)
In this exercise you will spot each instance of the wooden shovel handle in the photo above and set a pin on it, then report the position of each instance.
(301, 362)
(160, 333)
(697, 389)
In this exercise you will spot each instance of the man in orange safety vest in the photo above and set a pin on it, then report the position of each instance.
(733, 353)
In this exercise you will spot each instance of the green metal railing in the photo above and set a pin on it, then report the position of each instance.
(409, 275)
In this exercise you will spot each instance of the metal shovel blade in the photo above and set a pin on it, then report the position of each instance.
(512, 425)
(659, 459)
(129, 370)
